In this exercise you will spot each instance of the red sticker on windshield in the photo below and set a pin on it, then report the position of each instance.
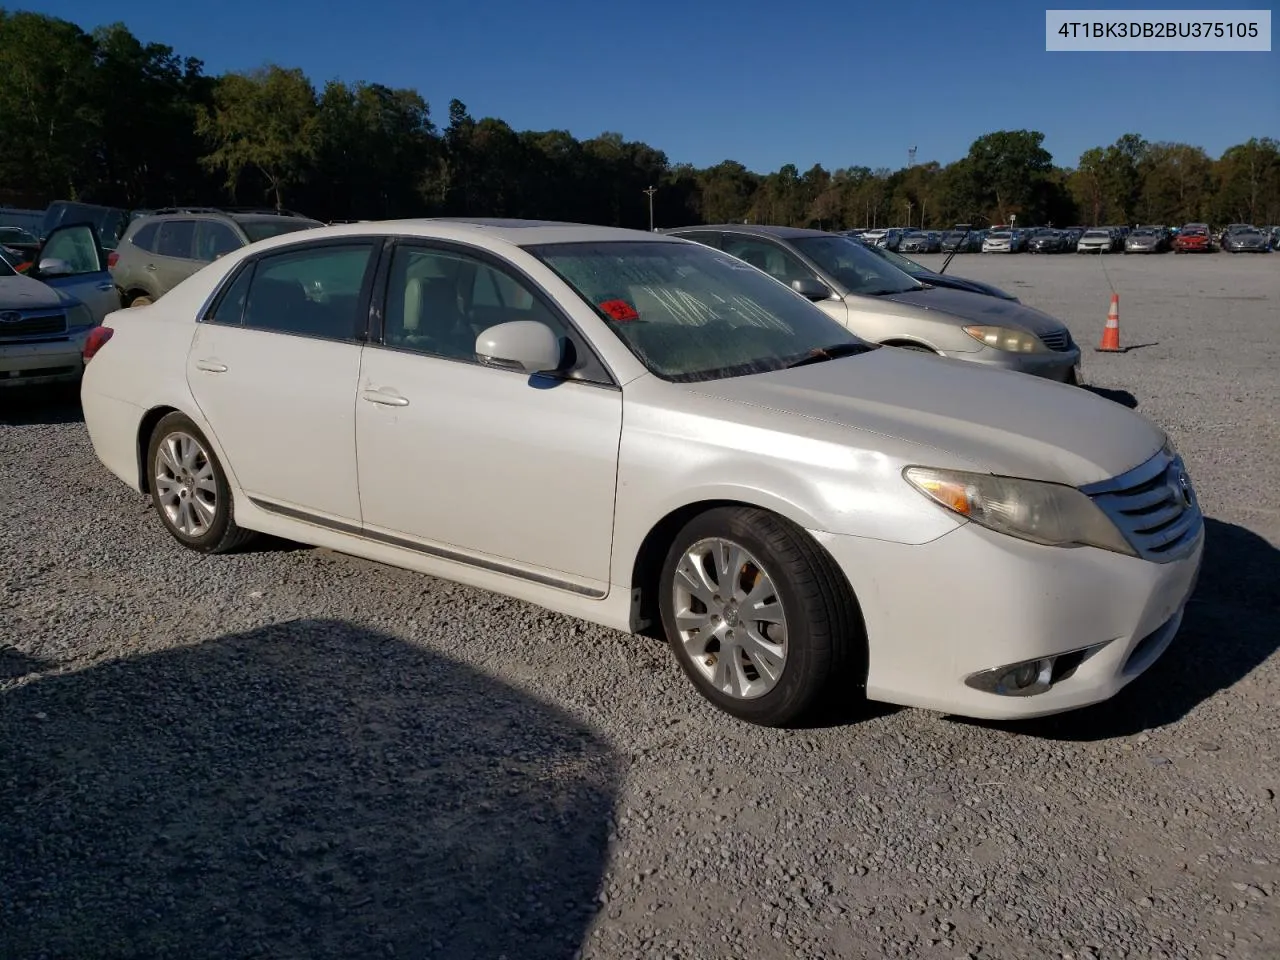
(619, 310)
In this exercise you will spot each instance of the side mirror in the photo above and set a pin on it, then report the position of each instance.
(53, 267)
(811, 288)
(521, 345)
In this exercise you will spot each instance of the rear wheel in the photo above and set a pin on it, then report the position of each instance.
(758, 615)
(189, 488)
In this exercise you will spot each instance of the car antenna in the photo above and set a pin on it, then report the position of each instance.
(966, 227)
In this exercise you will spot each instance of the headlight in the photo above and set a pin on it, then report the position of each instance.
(78, 315)
(1007, 338)
(1048, 513)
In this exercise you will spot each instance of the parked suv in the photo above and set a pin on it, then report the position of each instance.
(161, 250)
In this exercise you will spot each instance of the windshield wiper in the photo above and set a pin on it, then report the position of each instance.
(836, 350)
(886, 293)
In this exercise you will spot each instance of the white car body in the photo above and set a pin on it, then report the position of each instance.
(1096, 241)
(555, 496)
(998, 243)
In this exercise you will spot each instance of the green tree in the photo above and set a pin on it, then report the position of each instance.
(49, 118)
(1247, 181)
(266, 122)
(1007, 173)
(1175, 184)
(147, 100)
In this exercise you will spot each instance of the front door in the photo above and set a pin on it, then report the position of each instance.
(73, 262)
(274, 366)
(484, 465)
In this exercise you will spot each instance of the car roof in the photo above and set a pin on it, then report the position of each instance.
(782, 233)
(520, 233)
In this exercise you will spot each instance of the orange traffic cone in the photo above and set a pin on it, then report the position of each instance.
(1111, 332)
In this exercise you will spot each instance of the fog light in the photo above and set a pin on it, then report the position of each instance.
(1029, 677)
(1016, 680)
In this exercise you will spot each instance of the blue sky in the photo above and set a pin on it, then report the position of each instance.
(764, 83)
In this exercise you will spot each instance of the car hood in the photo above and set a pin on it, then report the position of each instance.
(979, 308)
(24, 293)
(961, 283)
(998, 421)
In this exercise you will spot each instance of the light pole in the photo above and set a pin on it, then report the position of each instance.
(909, 206)
(650, 192)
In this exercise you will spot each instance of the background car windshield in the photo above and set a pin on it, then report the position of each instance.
(689, 312)
(854, 267)
(257, 230)
(5, 269)
(904, 264)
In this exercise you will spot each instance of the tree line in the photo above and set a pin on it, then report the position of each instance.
(103, 117)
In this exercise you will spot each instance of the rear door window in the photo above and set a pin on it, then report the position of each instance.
(313, 292)
(176, 239)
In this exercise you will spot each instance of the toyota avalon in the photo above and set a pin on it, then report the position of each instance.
(654, 436)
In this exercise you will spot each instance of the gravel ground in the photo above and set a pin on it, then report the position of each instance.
(291, 753)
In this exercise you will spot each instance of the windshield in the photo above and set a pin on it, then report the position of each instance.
(257, 230)
(855, 267)
(1097, 234)
(906, 265)
(6, 270)
(690, 312)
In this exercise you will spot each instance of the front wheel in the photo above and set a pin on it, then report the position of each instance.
(189, 488)
(758, 615)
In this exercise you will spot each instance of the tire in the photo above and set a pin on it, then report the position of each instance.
(791, 576)
(141, 300)
(913, 347)
(189, 488)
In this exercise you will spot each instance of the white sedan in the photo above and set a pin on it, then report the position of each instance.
(649, 434)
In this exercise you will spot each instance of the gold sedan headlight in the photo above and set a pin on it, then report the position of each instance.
(1008, 339)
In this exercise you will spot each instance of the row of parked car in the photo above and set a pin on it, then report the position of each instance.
(1190, 238)
(64, 269)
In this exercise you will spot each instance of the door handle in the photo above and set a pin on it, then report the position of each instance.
(151, 267)
(211, 366)
(386, 399)
(106, 286)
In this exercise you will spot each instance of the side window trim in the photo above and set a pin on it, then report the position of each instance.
(599, 372)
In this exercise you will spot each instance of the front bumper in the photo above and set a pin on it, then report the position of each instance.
(26, 363)
(932, 622)
(1062, 366)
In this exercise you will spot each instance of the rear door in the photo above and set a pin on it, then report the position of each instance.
(75, 264)
(174, 258)
(274, 366)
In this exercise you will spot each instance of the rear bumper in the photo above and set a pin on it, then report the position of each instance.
(42, 361)
(932, 623)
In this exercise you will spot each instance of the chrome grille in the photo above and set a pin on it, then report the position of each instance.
(1059, 340)
(14, 324)
(1154, 505)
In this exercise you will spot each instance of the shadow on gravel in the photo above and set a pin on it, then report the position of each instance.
(28, 406)
(1231, 626)
(14, 663)
(1122, 397)
(310, 789)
